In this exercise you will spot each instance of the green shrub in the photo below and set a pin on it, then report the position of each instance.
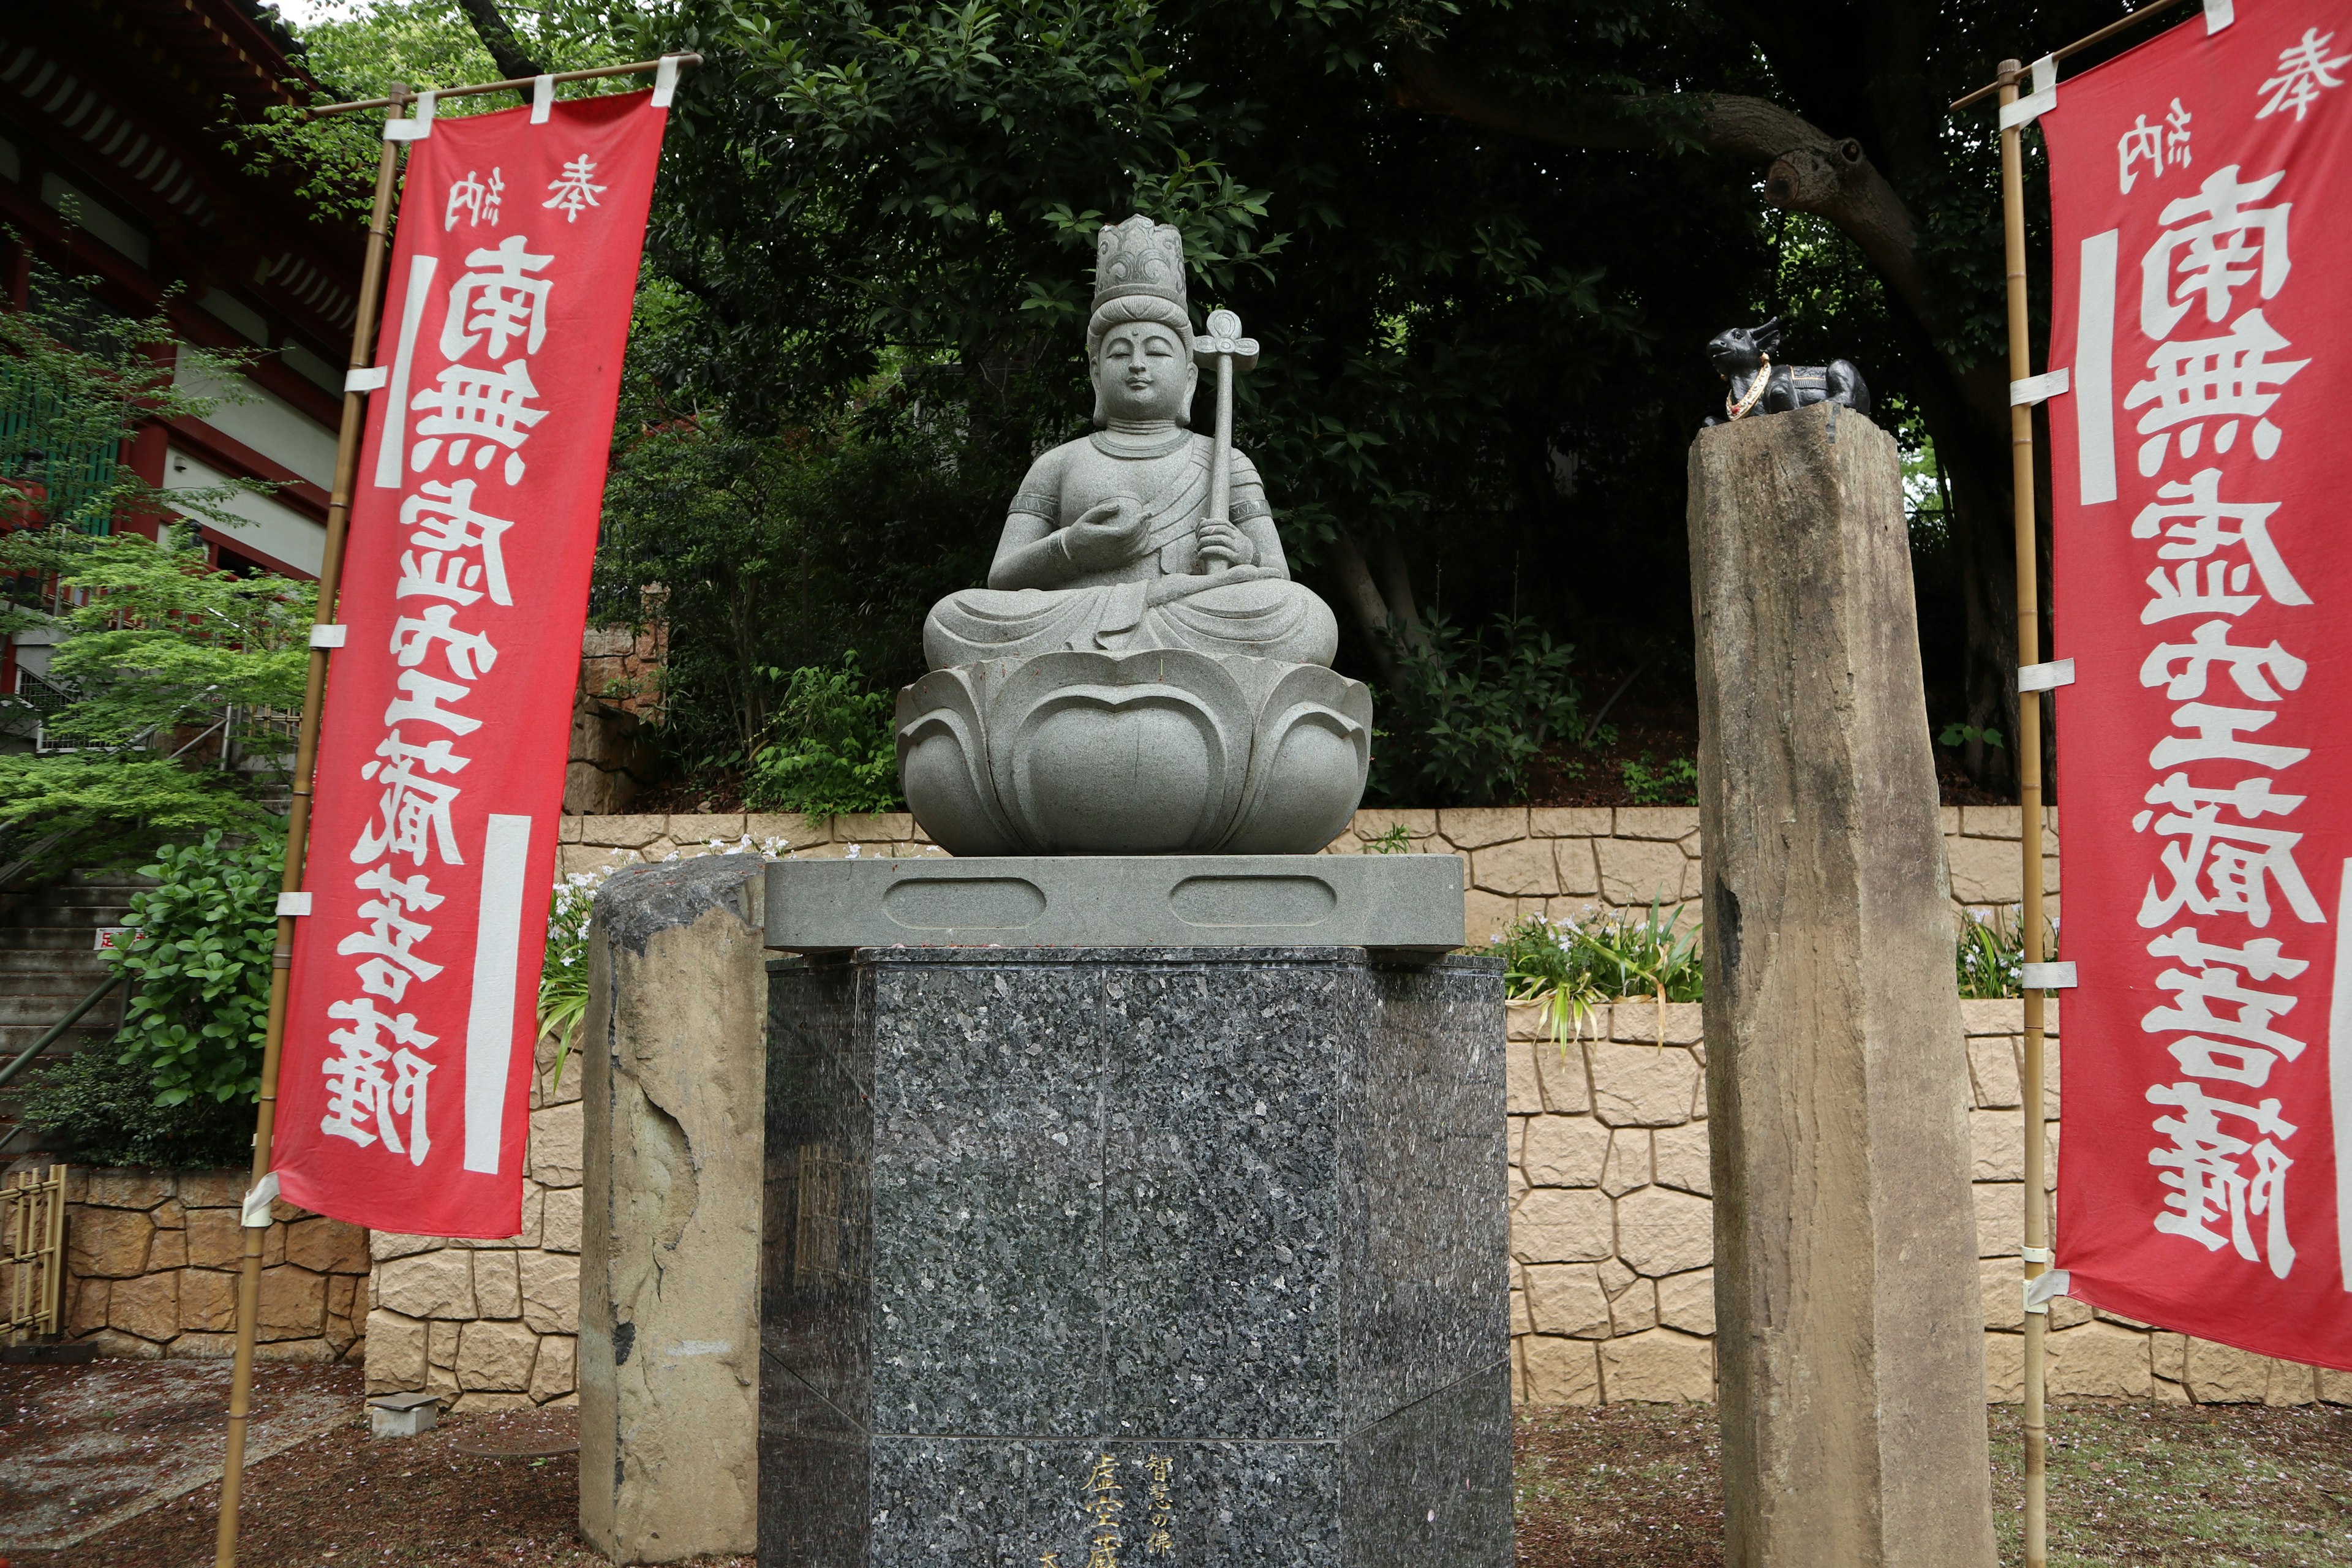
(1673, 783)
(103, 1106)
(832, 753)
(198, 950)
(1466, 718)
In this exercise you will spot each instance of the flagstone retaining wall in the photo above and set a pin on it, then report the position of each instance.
(152, 1263)
(1611, 1228)
(491, 1325)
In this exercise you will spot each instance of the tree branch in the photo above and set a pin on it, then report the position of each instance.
(506, 49)
(1806, 169)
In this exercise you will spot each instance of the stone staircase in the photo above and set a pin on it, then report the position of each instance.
(49, 962)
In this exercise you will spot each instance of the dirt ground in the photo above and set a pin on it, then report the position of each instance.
(2228, 1485)
(1627, 1486)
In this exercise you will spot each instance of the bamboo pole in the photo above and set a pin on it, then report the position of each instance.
(297, 821)
(2029, 801)
(517, 84)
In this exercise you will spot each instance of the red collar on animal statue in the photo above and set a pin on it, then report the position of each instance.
(1741, 407)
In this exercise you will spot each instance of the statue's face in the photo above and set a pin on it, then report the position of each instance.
(1143, 372)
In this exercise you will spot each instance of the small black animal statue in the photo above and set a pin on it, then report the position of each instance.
(1743, 356)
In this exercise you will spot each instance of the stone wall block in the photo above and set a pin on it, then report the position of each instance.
(1567, 1298)
(1564, 1151)
(396, 1353)
(2224, 1375)
(1686, 1301)
(2000, 1218)
(148, 1306)
(1638, 1021)
(1563, 1224)
(1628, 1165)
(1641, 1086)
(1994, 1070)
(215, 1239)
(127, 1187)
(293, 1304)
(86, 1307)
(1998, 1286)
(1475, 827)
(208, 1300)
(1560, 1371)
(2100, 1361)
(327, 1246)
(552, 1375)
(384, 1246)
(1570, 822)
(1670, 824)
(623, 832)
(555, 1157)
(498, 1285)
(433, 1285)
(550, 1293)
(1662, 1366)
(1578, 866)
(496, 1356)
(1985, 871)
(107, 1243)
(1682, 1158)
(1661, 1231)
(1998, 1016)
(2004, 1369)
(1634, 873)
(1522, 868)
(1633, 1310)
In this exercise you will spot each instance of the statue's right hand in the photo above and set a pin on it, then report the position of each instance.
(1108, 534)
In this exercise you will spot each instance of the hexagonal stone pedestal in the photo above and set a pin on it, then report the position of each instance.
(1135, 1255)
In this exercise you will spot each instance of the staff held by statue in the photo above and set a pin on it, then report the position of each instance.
(1224, 347)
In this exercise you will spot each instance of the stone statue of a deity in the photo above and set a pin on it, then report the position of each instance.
(1140, 676)
(1110, 542)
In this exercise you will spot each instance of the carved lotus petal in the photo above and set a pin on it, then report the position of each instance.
(1153, 752)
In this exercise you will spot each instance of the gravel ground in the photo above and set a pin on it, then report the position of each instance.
(1629, 1487)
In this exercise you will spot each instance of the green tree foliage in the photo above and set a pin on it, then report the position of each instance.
(161, 649)
(1456, 340)
(833, 751)
(198, 952)
(104, 1109)
(1464, 719)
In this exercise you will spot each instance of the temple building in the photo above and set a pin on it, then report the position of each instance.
(119, 165)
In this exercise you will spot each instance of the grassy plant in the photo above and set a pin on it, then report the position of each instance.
(1988, 959)
(1574, 965)
(1395, 841)
(563, 977)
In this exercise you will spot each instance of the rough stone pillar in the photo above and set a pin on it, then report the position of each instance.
(1849, 1327)
(674, 1057)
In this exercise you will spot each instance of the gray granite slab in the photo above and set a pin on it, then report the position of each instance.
(1409, 902)
(1041, 1219)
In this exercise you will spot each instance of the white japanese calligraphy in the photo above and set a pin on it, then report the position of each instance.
(478, 202)
(489, 406)
(500, 300)
(572, 193)
(2223, 378)
(2304, 70)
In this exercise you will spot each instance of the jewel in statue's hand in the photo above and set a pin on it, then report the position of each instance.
(1107, 533)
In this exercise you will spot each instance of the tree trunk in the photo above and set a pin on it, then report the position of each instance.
(506, 49)
(1363, 599)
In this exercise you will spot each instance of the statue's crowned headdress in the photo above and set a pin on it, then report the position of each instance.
(1140, 256)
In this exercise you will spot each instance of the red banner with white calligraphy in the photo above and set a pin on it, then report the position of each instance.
(2198, 185)
(405, 1087)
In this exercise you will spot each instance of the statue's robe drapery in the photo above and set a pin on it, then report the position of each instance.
(1161, 597)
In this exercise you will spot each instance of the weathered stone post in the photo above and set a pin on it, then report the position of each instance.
(1850, 1338)
(673, 1053)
